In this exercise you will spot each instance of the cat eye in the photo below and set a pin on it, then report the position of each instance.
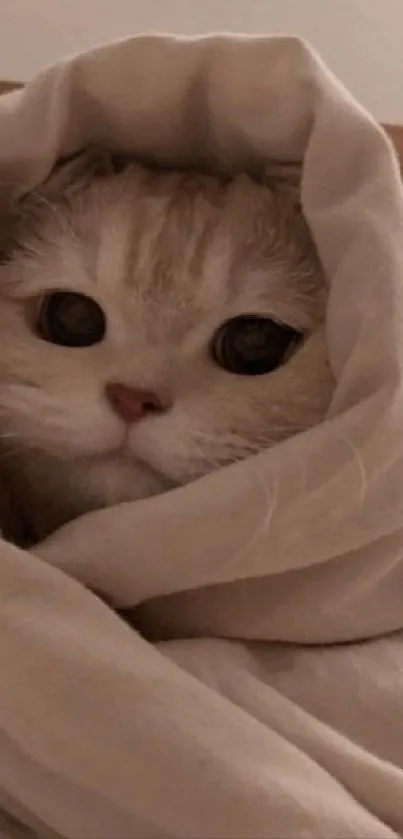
(249, 345)
(70, 320)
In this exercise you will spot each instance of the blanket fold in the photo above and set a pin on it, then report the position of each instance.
(233, 719)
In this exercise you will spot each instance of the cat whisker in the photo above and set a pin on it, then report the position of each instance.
(271, 494)
(256, 433)
(243, 446)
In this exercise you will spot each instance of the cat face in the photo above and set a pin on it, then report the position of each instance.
(155, 326)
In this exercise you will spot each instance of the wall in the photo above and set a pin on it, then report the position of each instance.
(360, 39)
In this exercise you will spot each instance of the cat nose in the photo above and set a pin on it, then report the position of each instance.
(131, 404)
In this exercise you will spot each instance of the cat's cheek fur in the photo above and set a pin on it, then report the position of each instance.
(237, 417)
(76, 427)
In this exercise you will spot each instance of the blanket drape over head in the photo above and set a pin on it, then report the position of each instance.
(248, 715)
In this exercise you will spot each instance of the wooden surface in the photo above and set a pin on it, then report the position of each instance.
(6, 87)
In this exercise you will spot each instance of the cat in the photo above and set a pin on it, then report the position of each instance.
(155, 325)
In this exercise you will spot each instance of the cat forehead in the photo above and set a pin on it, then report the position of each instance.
(174, 239)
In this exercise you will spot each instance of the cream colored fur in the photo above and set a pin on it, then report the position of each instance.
(168, 257)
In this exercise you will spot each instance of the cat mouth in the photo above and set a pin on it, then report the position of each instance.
(123, 455)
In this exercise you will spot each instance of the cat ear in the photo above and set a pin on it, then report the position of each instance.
(285, 177)
(69, 176)
(75, 173)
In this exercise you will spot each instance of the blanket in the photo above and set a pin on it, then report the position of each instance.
(263, 697)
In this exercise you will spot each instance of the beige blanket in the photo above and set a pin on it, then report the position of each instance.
(270, 701)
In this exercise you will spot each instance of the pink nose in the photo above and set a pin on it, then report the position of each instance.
(130, 403)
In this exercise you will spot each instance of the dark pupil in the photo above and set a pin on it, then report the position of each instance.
(70, 320)
(250, 345)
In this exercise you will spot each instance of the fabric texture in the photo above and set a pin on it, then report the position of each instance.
(396, 134)
(267, 700)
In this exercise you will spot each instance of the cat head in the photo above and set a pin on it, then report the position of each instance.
(155, 326)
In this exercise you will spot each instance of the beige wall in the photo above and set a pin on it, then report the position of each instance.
(361, 39)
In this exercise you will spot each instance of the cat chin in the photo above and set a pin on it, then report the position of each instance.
(114, 480)
(61, 489)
